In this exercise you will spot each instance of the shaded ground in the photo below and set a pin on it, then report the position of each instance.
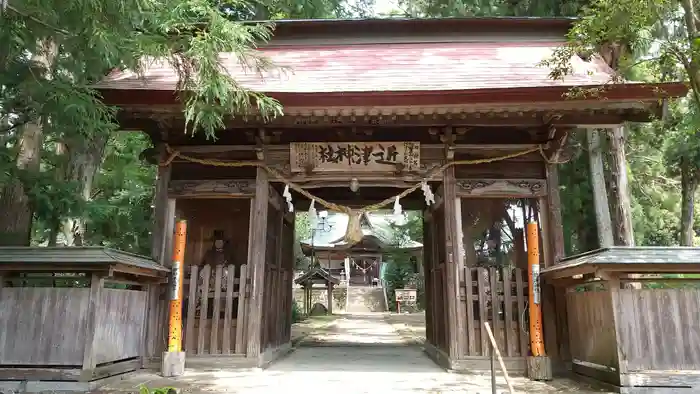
(353, 353)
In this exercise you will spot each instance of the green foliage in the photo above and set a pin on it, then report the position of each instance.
(121, 210)
(164, 390)
(302, 231)
(402, 267)
(297, 314)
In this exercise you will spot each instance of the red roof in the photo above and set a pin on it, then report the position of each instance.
(389, 67)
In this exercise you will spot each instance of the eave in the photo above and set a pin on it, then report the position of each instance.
(544, 95)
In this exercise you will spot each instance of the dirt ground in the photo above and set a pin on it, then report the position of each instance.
(350, 353)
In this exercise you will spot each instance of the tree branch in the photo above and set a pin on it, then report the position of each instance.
(34, 19)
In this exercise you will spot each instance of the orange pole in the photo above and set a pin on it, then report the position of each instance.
(533, 259)
(175, 317)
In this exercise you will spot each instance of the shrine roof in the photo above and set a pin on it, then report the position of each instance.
(316, 275)
(89, 258)
(505, 55)
(378, 227)
(647, 259)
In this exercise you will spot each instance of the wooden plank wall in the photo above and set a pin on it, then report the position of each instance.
(156, 337)
(43, 326)
(119, 328)
(658, 329)
(497, 296)
(218, 327)
(279, 266)
(592, 328)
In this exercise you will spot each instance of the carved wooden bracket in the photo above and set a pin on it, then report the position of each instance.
(516, 188)
(211, 188)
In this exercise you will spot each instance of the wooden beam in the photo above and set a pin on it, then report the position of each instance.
(211, 188)
(569, 114)
(274, 148)
(257, 242)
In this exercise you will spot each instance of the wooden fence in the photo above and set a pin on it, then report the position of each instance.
(659, 329)
(498, 296)
(636, 337)
(214, 311)
(43, 327)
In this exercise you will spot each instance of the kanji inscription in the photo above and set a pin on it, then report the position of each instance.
(355, 156)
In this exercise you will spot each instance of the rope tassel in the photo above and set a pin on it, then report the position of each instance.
(288, 197)
(428, 193)
(397, 207)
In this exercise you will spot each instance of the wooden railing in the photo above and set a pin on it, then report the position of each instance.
(214, 310)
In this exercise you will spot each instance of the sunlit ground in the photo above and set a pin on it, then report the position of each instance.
(351, 354)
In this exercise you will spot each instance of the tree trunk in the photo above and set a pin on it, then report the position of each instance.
(600, 195)
(619, 189)
(85, 157)
(689, 185)
(16, 220)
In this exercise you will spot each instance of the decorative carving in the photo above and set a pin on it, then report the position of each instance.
(502, 187)
(201, 188)
(472, 185)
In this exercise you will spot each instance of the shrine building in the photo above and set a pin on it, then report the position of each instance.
(452, 117)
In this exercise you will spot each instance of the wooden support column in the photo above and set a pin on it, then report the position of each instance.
(257, 240)
(600, 194)
(169, 230)
(159, 251)
(555, 318)
(97, 283)
(330, 298)
(456, 311)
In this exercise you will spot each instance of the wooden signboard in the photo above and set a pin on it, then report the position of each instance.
(355, 156)
(406, 295)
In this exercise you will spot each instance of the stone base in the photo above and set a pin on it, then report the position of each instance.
(172, 364)
(271, 355)
(539, 368)
(37, 386)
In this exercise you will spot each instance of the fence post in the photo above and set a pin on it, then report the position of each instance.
(173, 361)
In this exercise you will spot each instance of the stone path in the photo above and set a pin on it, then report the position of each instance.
(368, 353)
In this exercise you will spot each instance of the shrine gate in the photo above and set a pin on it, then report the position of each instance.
(459, 108)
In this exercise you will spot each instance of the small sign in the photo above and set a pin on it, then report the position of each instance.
(406, 295)
(536, 284)
(354, 156)
(175, 277)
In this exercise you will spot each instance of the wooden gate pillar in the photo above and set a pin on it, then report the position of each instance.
(456, 310)
(164, 215)
(257, 234)
(555, 315)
